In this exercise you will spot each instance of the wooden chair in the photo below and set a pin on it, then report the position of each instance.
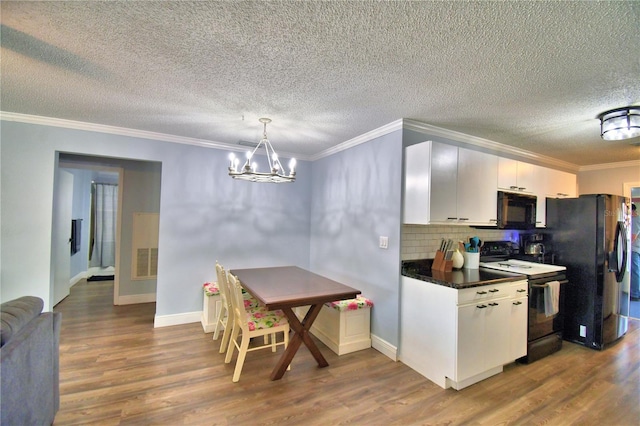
(226, 310)
(252, 322)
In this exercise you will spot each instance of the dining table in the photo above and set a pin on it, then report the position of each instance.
(287, 287)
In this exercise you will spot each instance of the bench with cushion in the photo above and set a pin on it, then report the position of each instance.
(344, 325)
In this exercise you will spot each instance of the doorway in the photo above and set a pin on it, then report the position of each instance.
(632, 191)
(88, 261)
(139, 185)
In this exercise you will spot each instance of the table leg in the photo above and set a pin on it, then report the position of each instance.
(300, 334)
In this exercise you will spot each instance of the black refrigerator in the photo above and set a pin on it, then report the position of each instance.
(590, 235)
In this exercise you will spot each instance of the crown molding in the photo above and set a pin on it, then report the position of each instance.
(400, 124)
(365, 137)
(488, 145)
(122, 131)
(605, 166)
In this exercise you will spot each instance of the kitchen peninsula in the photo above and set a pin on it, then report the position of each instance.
(460, 327)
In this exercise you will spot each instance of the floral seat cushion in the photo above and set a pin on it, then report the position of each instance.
(260, 318)
(360, 302)
(211, 289)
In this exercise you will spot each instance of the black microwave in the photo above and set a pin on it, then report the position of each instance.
(516, 211)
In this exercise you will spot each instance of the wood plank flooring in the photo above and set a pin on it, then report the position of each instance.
(116, 369)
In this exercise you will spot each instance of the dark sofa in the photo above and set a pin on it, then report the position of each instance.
(29, 363)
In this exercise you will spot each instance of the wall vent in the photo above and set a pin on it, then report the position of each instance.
(144, 262)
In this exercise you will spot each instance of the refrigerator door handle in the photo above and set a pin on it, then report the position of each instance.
(617, 259)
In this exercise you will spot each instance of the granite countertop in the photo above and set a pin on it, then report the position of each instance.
(458, 278)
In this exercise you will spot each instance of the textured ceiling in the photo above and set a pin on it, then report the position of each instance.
(532, 75)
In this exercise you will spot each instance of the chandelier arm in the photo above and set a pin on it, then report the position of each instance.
(276, 161)
(276, 173)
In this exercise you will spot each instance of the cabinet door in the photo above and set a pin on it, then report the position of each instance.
(517, 176)
(477, 181)
(507, 174)
(417, 183)
(559, 184)
(528, 177)
(471, 341)
(444, 177)
(555, 184)
(496, 333)
(518, 328)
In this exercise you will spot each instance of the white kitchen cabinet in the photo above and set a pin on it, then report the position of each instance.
(457, 338)
(445, 184)
(518, 328)
(555, 184)
(483, 337)
(518, 176)
(477, 198)
(559, 184)
(518, 319)
(444, 180)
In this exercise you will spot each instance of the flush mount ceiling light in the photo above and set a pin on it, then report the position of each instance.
(620, 123)
(250, 169)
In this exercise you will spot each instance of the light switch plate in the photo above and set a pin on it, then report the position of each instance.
(384, 242)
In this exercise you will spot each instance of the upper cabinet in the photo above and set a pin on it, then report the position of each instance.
(558, 184)
(445, 184)
(477, 195)
(555, 184)
(515, 175)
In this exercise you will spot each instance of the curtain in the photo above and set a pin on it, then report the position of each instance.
(104, 210)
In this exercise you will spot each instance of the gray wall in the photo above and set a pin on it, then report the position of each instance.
(357, 197)
(204, 214)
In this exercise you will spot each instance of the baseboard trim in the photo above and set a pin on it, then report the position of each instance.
(136, 298)
(73, 281)
(176, 319)
(384, 347)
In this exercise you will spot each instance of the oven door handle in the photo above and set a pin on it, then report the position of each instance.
(544, 285)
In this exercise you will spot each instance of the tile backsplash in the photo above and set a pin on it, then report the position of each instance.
(422, 241)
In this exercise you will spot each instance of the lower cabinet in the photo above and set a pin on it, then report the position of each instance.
(457, 338)
(483, 337)
(518, 327)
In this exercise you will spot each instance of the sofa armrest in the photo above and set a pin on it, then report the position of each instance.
(29, 365)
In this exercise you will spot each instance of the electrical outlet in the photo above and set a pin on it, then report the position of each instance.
(384, 242)
(583, 331)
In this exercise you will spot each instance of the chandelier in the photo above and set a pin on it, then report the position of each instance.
(249, 170)
(620, 123)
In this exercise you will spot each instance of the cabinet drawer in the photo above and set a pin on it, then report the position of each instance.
(485, 292)
(518, 289)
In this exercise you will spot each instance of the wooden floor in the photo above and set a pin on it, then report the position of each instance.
(115, 368)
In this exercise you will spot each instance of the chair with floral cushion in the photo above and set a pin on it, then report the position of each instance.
(252, 322)
(226, 310)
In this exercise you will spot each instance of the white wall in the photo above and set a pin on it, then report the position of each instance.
(608, 180)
